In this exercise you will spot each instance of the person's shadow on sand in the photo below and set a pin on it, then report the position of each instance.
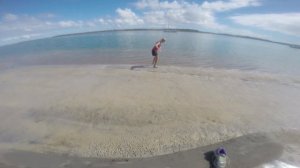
(209, 156)
(137, 66)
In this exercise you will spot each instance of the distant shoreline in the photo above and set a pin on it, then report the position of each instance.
(296, 46)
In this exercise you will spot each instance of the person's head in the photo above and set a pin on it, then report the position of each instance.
(162, 40)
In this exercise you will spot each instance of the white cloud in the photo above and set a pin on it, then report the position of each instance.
(10, 17)
(126, 16)
(102, 21)
(68, 24)
(49, 15)
(21, 37)
(14, 27)
(26, 23)
(220, 6)
(185, 12)
(155, 17)
(157, 5)
(211, 6)
(288, 23)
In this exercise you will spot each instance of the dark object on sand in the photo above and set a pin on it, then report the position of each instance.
(137, 66)
(220, 158)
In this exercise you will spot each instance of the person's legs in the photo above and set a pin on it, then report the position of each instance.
(154, 54)
(155, 61)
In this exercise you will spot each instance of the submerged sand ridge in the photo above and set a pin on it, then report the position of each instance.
(108, 111)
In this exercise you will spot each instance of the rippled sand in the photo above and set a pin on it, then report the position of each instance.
(116, 111)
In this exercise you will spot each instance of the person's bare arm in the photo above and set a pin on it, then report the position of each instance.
(157, 45)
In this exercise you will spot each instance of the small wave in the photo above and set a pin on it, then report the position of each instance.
(278, 164)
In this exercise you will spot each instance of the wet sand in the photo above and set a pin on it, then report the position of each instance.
(251, 151)
(125, 112)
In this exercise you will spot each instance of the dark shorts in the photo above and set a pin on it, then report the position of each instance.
(154, 53)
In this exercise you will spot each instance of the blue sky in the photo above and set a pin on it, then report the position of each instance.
(277, 20)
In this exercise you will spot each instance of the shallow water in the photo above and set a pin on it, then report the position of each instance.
(181, 49)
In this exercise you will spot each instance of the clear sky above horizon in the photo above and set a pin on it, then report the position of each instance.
(276, 20)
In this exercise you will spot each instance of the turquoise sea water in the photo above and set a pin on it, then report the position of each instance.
(133, 48)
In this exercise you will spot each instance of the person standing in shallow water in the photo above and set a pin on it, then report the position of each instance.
(155, 50)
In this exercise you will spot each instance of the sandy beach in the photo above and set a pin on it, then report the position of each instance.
(137, 111)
